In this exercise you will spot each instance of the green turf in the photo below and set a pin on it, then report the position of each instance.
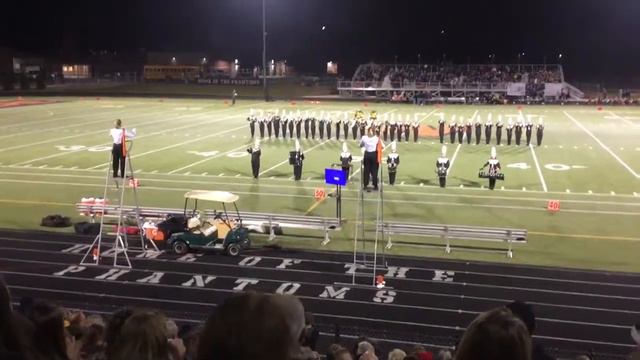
(52, 155)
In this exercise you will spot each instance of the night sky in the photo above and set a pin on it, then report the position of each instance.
(598, 38)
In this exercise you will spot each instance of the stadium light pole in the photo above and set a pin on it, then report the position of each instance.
(264, 50)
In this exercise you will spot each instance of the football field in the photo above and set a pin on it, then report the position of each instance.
(54, 153)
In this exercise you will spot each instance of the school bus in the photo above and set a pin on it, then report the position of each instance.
(171, 72)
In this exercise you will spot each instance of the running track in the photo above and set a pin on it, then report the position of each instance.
(428, 301)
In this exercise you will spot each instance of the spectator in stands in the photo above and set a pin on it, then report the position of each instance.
(635, 335)
(114, 326)
(144, 336)
(189, 336)
(9, 345)
(311, 333)
(396, 354)
(495, 335)
(420, 353)
(253, 326)
(525, 313)
(94, 346)
(49, 340)
(364, 347)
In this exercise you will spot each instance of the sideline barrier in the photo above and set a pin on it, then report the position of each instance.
(454, 232)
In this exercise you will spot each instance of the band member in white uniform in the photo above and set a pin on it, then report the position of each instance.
(118, 152)
(393, 160)
(494, 168)
(442, 167)
(255, 158)
(345, 160)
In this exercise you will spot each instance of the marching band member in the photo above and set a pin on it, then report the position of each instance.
(307, 120)
(519, 125)
(255, 158)
(478, 130)
(509, 131)
(296, 158)
(298, 122)
(338, 123)
(252, 123)
(276, 125)
(355, 125)
(392, 128)
(345, 126)
(269, 121)
(345, 160)
(442, 166)
(119, 150)
(528, 129)
(539, 131)
(407, 129)
(452, 130)
(284, 123)
(468, 128)
(313, 128)
(487, 129)
(499, 125)
(329, 123)
(494, 169)
(461, 129)
(393, 160)
(416, 130)
(441, 123)
(321, 123)
(261, 124)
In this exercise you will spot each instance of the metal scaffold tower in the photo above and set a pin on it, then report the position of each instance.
(120, 246)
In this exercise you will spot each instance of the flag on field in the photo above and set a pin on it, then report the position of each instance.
(379, 151)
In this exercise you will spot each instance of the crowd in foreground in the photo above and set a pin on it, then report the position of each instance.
(246, 326)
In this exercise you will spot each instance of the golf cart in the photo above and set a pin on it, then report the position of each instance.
(217, 231)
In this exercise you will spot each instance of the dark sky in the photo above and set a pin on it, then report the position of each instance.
(598, 38)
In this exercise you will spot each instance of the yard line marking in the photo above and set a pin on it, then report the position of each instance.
(354, 198)
(602, 145)
(187, 173)
(191, 116)
(207, 159)
(535, 160)
(623, 119)
(177, 144)
(286, 161)
(73, 167)
(455, 154)
(280, 186)
(42, 166)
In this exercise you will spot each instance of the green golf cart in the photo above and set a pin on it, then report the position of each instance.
(211, 230)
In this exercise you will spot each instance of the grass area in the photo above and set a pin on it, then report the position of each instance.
(52, 155)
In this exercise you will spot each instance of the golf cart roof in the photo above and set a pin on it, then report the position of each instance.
(219, 196)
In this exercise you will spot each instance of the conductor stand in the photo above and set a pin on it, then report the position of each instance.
(366, 262)
(121, 241)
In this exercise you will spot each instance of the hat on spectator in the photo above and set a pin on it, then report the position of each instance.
(635, 333)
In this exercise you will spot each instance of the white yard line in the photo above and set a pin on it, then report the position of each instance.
(355, 198)
(284, 186)
(602, 145)
(105, 131)
(629, 122)
(175, 145)
(535, 160)
(455, 154)
(286, 161)
(208, 158)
